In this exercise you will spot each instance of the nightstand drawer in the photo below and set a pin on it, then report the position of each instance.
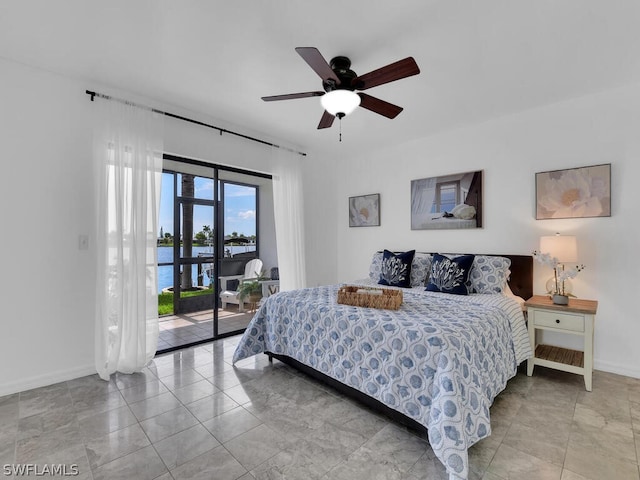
(565, 321)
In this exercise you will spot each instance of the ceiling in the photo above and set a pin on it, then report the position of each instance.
(478, 59)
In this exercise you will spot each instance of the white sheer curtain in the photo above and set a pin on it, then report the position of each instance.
(127, 161)
(288, 210)
(423, 194)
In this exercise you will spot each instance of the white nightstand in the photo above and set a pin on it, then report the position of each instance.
(577, 318)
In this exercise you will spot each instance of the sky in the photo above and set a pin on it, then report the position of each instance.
(240, 207)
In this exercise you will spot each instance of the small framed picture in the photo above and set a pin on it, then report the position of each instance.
(364, 211)
(574, 192)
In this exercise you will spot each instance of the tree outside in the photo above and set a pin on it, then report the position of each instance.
(188, 189)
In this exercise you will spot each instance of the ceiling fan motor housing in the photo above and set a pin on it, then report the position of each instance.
(341, 67)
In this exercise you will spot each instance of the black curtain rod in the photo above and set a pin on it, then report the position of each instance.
(185, 119)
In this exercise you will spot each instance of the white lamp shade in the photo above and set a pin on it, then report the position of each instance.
(340, 101)
(563, 247)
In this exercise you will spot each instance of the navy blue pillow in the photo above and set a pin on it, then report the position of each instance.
(396, 268)
(450, 275)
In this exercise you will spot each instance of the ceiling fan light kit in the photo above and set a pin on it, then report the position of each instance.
(340, 82)
(340, 102)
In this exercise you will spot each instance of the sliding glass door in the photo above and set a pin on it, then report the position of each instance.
(209, 231)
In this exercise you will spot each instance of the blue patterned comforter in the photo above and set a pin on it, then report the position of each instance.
(440, 359)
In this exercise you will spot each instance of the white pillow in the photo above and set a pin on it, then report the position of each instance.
(463, 211)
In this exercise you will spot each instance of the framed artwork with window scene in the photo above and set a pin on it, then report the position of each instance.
(574, 192)
(364, 210)
(447, 202)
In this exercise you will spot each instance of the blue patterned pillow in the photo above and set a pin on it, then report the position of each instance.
(420, 269)
(489, 274)
(375, 267)
(396, 268)
(449, 275)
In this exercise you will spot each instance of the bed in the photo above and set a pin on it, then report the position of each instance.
(436, 363)
(440, 222)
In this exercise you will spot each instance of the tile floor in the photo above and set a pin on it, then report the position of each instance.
(191, 415)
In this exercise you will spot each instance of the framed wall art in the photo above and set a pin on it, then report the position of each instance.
(574, 192)
(449, 201)
(364, 210)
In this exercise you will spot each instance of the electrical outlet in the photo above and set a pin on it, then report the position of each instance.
(83, 242)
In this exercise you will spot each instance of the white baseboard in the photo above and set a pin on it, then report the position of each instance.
(617, 368)
(44, 380)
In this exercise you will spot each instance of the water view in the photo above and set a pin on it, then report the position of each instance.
(165, 254)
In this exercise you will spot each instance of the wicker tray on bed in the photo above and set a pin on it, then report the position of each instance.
(369, 297)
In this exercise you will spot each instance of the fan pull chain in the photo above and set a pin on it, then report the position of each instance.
(340, 116)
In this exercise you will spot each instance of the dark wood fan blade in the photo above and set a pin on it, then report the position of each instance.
(314, 58)
(326, 121)
(291, 96)
(381, 107)
(394, 71)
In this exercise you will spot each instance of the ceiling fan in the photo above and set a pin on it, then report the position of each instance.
(340, 82)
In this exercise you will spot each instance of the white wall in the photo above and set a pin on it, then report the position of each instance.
(597, 129)
(47, 286)
(47, 196)
(321, 204)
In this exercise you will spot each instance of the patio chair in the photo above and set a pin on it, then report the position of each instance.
(252, 271)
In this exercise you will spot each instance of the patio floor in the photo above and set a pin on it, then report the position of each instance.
(185, 328)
